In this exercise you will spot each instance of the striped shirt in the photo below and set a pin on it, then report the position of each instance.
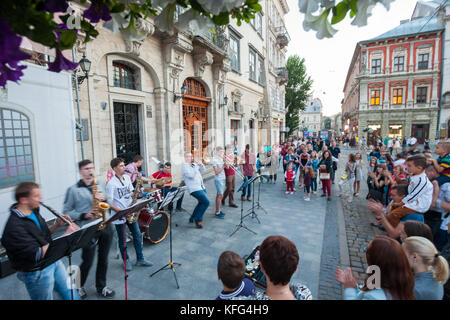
(445, 163)
(420, 193)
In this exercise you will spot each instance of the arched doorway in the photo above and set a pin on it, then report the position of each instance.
(195, 117)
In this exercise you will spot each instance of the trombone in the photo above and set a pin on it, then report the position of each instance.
(230, 163)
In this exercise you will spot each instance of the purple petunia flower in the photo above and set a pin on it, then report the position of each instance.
(56, 5)
(98, 10)
(10, 55)
(61, 63)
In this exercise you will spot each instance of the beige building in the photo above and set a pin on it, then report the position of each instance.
(310, 119)
(165, 95)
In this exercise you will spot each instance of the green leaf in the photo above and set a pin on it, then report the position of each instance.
(118, 7)
(339, 12)
(67, 39)
(221, 19)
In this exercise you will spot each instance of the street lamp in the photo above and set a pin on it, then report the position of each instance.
(85, 65)
(183, 92)
(225, 102)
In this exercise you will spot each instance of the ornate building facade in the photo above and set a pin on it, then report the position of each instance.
(392, 86)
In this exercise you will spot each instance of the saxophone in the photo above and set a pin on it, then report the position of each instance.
(98, 206)
(132, 218)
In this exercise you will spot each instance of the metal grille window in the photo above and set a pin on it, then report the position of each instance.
(397, 96)
(124, 76)
(421, 95)
(375, 98)
(16, 156)
(423, 61)
(399, 63)
(376, 65)
(235, 52)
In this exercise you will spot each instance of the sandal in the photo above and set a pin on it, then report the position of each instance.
(356, 194)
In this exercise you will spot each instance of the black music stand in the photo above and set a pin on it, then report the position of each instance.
(258, 205)
(241, 224)
(171, 197)
(64, 245)
(123, 215)
(252, 209)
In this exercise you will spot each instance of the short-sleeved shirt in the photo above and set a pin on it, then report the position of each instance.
(121, 193)
(335, 152)
(420, 193)
(445, 163)
(161, 174)
(218, 164)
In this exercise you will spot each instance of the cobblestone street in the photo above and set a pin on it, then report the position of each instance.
(357, 220)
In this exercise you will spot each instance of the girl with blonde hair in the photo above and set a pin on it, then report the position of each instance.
(429, 267)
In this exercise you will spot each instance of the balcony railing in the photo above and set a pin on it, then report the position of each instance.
(283, 37)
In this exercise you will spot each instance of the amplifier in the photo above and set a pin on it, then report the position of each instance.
(5, 266)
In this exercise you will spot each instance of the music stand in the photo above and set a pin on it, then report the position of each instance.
(241, 224)
(252, 210)
(171, 197)
(64, 245)
(121, 215)
(258, 205)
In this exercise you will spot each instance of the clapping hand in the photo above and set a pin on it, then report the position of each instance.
(375, 207)
(346, 278)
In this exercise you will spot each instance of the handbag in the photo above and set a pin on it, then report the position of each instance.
(324, 176)
(344, 176)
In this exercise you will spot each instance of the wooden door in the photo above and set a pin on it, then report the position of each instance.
(420, 132)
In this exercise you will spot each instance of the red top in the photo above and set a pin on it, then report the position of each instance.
(290, 175)
(161, 174)
(230, 170)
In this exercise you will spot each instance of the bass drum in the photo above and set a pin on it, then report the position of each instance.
(155, 225)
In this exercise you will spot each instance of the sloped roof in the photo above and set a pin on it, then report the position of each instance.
(419, 25)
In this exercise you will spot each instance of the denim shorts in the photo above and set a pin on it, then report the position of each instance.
(220, 186)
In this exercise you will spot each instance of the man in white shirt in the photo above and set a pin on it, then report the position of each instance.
(192, 174)
(413, 141)
(120, 190)
(219, 179)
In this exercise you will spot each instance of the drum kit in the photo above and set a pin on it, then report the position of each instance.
(154, 223)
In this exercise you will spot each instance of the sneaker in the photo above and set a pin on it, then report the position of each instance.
(106, 292)
(221, 215)
(249, 199)
(287, 192)
(323, 195)
(242, 198)
(295, 189)
(308, 199)
(233, 205)
(82, 293)
(143, 263)
(199, 225)
(284, 182)
(329, 198)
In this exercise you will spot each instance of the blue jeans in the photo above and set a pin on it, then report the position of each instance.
(179, 202)
(248, 189)
(40, 284)
(137, 239)
(203, 204)
(314, 184)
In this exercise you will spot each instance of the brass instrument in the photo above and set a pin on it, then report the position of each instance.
(232, 164)
(132, 218)
(98, 206)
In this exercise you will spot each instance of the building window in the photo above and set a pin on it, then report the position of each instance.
(375, 98)
(376, 65)
(421, 95)
(259, 23)
(423, 61)
(16, 156)
(252, 64)
(124, 76)
(399, 63)
(397, 96)
(261, 71)
(235, 52)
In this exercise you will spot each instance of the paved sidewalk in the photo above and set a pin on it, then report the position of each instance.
(198, 249)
